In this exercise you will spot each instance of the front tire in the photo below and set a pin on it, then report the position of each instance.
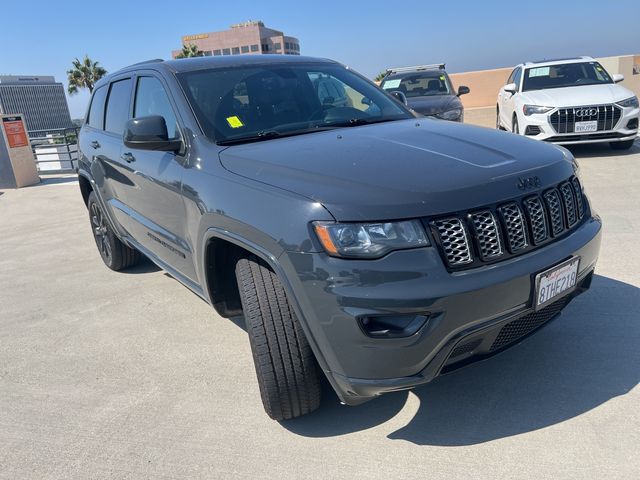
(498, 126)
(288, 375)
(115, 254)
(626, 145)
(515, 128)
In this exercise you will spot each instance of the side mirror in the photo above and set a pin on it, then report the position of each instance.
(511, 88)
(149, 133)
(401, 97)
(617, 77)
(462, 90)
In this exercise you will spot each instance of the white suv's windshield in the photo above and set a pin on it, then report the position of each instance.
(564, 75)
(257, 102)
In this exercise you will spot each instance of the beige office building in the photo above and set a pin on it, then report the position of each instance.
(250, 37)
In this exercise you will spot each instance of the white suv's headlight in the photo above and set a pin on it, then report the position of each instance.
(370, 240)
(531, 109)
(629, 102)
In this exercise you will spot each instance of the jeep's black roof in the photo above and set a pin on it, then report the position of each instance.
(201, 63)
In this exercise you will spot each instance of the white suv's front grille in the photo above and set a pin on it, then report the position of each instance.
(563, 120)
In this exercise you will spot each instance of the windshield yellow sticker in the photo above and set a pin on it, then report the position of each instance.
(442, 77)
(234, 122)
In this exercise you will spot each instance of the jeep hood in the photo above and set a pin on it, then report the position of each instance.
(577, 96)
(402, 169)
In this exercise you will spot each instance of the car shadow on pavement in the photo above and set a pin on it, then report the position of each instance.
(586, 357)
(144, 266)
(601, 150)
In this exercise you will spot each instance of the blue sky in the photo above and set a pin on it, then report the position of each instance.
(42, 37)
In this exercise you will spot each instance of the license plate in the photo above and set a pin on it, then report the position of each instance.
(556, 282)
(582, 127)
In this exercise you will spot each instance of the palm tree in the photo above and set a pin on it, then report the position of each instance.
(190, 50)
(380, 76)
(84, 74)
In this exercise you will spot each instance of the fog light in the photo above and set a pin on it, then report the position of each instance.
(632, 124)
(392, 326)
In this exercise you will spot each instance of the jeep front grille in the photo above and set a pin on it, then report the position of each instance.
(493, 233)
(563, 120)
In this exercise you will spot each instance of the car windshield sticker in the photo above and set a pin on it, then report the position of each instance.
(234, 122)
(442, 77)
(392, 83)
(539, 72)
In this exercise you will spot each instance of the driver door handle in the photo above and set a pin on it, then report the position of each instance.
(128, 157)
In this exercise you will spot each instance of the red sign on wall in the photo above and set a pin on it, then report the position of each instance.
(14, 129)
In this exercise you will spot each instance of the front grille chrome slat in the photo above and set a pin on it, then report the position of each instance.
(454, 241)
(488, 235)
(513, 221)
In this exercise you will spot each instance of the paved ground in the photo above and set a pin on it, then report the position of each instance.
(129, 375)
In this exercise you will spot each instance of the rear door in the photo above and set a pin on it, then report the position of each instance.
(157, 207)
(104, 144)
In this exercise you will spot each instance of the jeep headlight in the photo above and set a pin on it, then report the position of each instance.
(370, 240)
(533, 109)
(453, 114)
(629, 102)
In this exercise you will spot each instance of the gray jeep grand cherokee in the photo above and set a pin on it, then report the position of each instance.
(362, 244)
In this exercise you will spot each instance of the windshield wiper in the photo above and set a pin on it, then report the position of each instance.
(269, 134)
(355, 122)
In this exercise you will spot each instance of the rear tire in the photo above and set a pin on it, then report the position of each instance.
(288, 375)
(626, 145)
(115, 254)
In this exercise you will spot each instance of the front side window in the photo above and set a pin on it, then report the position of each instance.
(269, 100)
(565, 75)
(118, 103)
(517, 77)
(96, 111)
(422, 84)
(152, 99)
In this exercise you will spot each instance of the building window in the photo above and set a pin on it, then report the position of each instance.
(217, 53)
(265, 47)
(254, 48)
(235, 50)
(278, 46)
(226, 51)
(245, 49)
(287, 46)
(207, 53)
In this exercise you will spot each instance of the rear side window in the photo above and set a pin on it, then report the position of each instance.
(118, 106)
(151, 99)
(96, 111)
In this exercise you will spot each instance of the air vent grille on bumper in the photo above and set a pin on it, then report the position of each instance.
(564, 120)
(494, 233)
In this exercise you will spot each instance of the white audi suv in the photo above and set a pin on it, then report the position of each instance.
(568, 101)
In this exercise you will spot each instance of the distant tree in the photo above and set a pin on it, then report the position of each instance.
(84, 74)
(380, 76)
(190, 50)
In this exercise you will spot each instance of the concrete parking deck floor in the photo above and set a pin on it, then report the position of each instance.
(130, 375)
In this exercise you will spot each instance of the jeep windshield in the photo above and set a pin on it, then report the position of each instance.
(565, 75)
(261, 102)
(420, 84)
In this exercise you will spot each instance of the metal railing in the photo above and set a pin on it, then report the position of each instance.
(55, 151)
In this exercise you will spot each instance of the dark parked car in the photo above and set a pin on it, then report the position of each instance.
(427, 90)
(361, 243)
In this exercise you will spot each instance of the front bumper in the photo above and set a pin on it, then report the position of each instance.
(331, 294)
(621, 132)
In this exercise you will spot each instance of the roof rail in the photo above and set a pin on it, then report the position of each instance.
(434, 66)
(153, 60)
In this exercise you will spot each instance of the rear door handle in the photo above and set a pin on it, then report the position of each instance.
(128, 157)
(95, 144)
